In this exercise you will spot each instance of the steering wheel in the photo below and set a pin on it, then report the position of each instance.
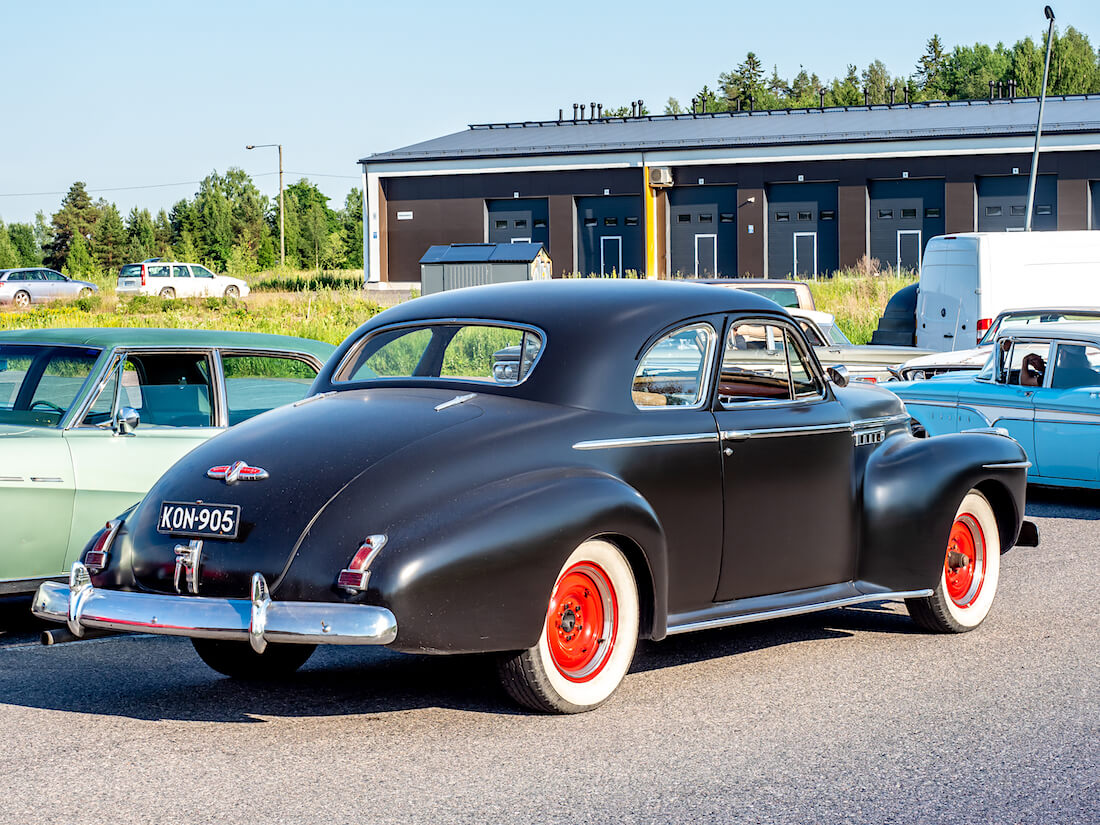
(48, 405)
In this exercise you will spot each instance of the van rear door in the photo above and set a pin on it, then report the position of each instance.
(947, 304)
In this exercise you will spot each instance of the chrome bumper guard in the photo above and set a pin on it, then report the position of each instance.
(258, 620)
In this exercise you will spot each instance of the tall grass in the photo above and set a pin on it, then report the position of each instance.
(858, 300)
(326, 316)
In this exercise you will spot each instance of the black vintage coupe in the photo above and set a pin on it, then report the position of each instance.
(664, 458)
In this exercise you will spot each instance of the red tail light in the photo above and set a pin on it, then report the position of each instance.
(143, 274)
(356, 575)
(984, 323)
(870, 379)
(96, 558)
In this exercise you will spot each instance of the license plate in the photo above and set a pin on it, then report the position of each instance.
(199, 520)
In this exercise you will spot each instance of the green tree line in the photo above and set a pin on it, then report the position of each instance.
(229, 225)
(961, 73)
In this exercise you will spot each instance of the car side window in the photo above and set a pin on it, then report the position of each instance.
(754, 364)
(811, 333)
(1076, 365)
(159, 271)
(1027, 363)
(257, 383)
(181, 272)
(53, 276)
(168, 389)
(201, 271)
(674, 370)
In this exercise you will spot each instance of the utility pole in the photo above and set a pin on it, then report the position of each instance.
(1049, 12)
(282, 212)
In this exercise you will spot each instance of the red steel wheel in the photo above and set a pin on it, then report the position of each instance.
(582, 622)
(964, 564)
(587, 640)
(971, 567)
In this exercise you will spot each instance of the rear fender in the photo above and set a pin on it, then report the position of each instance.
(462, 583)
(912, 490)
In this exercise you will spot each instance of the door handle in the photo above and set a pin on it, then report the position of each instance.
(735, 435)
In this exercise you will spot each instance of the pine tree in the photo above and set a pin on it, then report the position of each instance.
(9, 255)
(109, 240)
(77, 216)
(930, 63)
(79, 263)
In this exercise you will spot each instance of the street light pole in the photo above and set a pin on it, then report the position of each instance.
(1049, 12)
(282, 212)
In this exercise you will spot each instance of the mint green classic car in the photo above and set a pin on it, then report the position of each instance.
(90, 418)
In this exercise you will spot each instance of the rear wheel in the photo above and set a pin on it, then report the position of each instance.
(22, 299)
(239, 661)
(232, 291)
(168, 292)
(971, 567)
(588, 637)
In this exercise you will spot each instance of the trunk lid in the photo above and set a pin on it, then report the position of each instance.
(310, 452)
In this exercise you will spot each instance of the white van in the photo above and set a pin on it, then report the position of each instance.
(968, 278)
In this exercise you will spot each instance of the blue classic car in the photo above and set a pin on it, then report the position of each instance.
(1041, 385)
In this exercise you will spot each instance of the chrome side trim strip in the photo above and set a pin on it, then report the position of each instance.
(645, 441)
(881, 421)
(1060, 417)
(48, 479)
(776, 432)
(454, 402)
(1007, 465)
(779, 613)
(11, 478)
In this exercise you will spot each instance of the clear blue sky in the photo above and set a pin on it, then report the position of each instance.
(127, 94)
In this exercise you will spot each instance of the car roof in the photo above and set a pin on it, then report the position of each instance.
(816, 315)
(778, 283)
(595, 329)
(109, 337)
(1063, 310)
(1083, 330)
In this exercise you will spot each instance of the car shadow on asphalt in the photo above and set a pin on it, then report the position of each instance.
(155, 679)
(1063, 502)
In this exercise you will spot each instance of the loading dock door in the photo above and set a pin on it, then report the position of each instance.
(805, 254)
(706, 256)
(611, 255)
(909, 249)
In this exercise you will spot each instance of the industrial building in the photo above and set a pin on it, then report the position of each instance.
(765, 193)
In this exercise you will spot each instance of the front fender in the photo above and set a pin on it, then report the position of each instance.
(912, 490)
(476, 572)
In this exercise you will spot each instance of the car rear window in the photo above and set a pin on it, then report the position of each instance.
(483, 352)
(786, 297)
(130, 271)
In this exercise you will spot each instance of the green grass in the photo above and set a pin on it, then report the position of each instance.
(858, 300)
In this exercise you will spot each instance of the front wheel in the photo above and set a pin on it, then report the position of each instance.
(232, 291)
(588, 637)
(85, 292)
(22, 299)
(971, 568)
(238, 660)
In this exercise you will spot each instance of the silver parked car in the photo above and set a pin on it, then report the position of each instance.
(23, 287)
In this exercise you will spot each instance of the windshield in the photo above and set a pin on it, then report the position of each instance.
(835, 336)
(459, 351)
(38, 384)
(1025, 317)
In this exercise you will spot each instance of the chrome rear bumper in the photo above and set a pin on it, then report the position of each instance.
(258, 620)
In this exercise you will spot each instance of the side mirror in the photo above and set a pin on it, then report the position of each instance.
(838, 375)
(126, 420)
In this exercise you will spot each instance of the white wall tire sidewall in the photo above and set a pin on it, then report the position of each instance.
(972, 615)
(599, 688)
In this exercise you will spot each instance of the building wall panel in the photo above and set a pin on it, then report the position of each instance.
(904, 206)
(695, 213)
(802, 225)
(600, 221)
(1002, 203)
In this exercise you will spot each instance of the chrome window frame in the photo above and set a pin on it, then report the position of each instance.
(1000, 375)
(706, 375)
(355, 349)
(807, 358)
(219, 368)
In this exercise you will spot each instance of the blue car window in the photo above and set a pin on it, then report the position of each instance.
(673, 372)
(1076, 365)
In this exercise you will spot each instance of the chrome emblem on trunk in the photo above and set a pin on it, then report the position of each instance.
(188, 558)
(237, 471)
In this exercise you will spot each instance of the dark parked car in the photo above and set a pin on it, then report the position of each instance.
(22, 287)
(669, 459)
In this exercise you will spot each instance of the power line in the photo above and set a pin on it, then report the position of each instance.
(164, 185)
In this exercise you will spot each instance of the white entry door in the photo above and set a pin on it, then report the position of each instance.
(909, 249)
(611, 255)
(805, 254)
(706, 256)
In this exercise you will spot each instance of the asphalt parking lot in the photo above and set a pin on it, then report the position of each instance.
(847, 716)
